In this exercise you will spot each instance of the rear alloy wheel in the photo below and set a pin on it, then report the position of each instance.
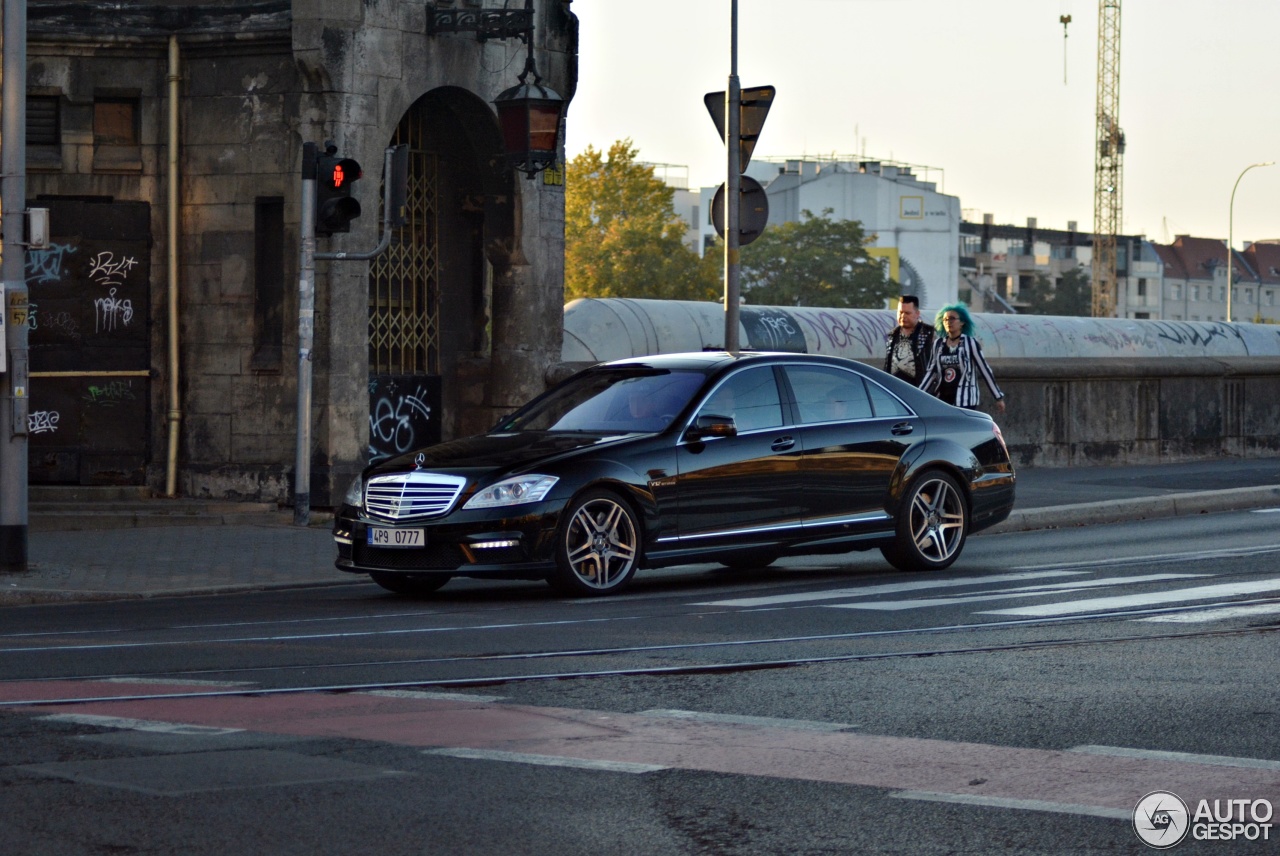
(932, 524)
(409, 583)
(598, 545)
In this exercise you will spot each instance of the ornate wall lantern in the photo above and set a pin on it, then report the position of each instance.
(528, 113)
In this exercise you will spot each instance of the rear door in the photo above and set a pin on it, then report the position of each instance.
(852, 435)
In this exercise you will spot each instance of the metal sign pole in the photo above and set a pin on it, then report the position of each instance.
(732, 189)
(14, 394)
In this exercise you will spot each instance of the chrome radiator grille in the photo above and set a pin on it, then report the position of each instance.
(415, 494)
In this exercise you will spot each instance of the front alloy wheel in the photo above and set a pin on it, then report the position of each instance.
(932, 524)
(598, 545)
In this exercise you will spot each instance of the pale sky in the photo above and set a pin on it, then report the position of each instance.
(973, 87)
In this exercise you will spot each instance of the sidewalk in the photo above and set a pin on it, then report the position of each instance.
(225, 553)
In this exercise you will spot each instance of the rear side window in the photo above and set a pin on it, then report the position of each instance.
(886, 405)
(825, 394)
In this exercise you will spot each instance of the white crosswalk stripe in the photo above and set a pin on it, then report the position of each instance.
(888, 588)
(1132, 601)
(1004, 594)
(1202, 616)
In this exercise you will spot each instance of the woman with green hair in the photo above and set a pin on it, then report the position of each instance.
(957, 360)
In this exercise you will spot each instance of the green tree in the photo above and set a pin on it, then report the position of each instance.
(622, 237)
(816, 261)
(1073, 296)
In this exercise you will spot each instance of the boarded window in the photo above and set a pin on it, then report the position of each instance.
(268, 284)
(115, 122)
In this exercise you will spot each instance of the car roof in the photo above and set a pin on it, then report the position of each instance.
(707, 361)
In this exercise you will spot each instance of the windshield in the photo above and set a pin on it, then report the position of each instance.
(609, 401)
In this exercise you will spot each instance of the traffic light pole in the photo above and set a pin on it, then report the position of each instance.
(14, 394)
(392, 215)
(732, 189)
(306, 337)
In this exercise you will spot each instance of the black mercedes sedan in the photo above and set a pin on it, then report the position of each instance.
(664, 460)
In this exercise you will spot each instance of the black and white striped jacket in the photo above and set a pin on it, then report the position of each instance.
(972, 363)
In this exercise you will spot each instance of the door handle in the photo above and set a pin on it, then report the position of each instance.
(782, 444)
(902, 429)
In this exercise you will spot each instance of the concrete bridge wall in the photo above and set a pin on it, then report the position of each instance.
(1080, 390)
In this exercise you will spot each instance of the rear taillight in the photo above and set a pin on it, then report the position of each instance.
(995, 429)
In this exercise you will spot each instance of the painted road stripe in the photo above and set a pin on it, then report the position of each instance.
(1005, 802)
(1181, 757)
(177, 682)
(129, 724)
(546, 760)
(891, 588)
(433, 696)
(1006, 594)
(307, 637)
(762, 721)
(1128, 601)
(1220, 614)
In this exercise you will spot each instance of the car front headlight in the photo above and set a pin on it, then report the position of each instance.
(513, 491)
(355, 494)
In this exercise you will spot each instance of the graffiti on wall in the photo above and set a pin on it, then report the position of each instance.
(404, 414)
(860, 331)
(771, 329)
(48, 264)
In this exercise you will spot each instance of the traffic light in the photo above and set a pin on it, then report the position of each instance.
(335, 209)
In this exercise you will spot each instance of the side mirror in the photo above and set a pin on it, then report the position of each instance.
(712, 425)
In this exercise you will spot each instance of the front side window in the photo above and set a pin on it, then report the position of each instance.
(750, 397)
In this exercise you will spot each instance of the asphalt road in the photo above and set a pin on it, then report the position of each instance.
(1020, 702)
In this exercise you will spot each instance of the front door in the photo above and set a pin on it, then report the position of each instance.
(89, 336)
(404, 313)
(744, 489)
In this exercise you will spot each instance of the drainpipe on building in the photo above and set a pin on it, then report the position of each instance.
(175, 410)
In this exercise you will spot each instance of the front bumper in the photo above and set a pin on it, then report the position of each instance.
(489, 543)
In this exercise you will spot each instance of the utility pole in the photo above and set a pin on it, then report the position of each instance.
(14, 392)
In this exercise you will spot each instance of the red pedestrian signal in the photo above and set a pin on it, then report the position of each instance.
(335, 208)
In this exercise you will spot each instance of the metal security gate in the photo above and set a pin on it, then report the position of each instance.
(404, 312)
(89, 333)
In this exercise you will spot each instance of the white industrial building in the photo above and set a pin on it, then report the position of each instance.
(907, 219)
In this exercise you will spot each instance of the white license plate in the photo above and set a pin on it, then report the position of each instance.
(380, 536)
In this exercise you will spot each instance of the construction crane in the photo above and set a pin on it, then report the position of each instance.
(1108, 172)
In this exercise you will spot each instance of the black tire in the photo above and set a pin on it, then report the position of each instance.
(412, 584)
(597, 546)
(746, 561)
(933, 523)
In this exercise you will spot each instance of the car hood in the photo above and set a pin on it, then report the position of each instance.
(497, 451)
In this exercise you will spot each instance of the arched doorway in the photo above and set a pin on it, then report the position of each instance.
(430, 294)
